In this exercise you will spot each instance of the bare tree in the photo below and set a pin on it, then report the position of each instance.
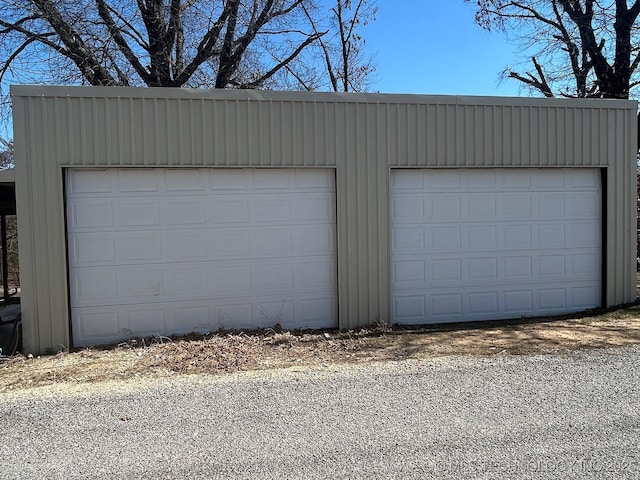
(168, 43)
(6, 154)
(578, 48)
(342, 51)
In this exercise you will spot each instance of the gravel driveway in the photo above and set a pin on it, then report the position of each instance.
(552, 416)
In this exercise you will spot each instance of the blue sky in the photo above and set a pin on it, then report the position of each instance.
(434, 47)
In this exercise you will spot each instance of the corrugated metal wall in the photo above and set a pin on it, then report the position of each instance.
(362, 135)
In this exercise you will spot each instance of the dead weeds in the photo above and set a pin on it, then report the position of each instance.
(269, 349)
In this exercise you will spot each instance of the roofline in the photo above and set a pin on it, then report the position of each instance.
(303, 96)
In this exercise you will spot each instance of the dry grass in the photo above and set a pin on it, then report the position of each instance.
(233, 352)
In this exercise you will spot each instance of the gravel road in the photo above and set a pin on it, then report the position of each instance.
(554, 416)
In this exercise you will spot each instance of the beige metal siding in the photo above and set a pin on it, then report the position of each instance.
(362, 135)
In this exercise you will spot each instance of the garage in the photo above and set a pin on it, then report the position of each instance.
(478, 244)
(169, 250)
(167, 210)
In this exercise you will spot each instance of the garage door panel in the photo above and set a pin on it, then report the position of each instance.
(408, 307)
(444, 271)
(185, 245)
(269, 277)
(582, 297)
(406, 180)
(512, 252)
(273, 180)
(481, 180)
(137, 212)
(583, 265)
(85, 182)
(552, 179)
(440, 180)
(232, 248)
(518, 302)
(228, 278)
(408, 207)
(582, 206)
(513, 180)
(517, 267)
(516, 237)
(548, 206)
(583, 178)
(187, 281)
(93, 286)
(312, 179)
(445, 305)
(272, 208)
(139, 247)
(483, 303)
(93, 214)
(232, 314)
(407, 240)
(552, 299)
(514, 206)
(483, 269)
(228, 209)
(140, 283)
(189, 210)
(271, 242)
(226, 179)
(583, 234)
(444, 238)
(409, 272)
(270, 313)
(549, 235)
(479, 304)
(96, 324)
(185, 180)
(227, 242)
(315, 275)
(480, 237)
(444, 207)
(467, 270)
(550, 266)
(144, 321)
(191, 318)
(313, 240)
(92, 249)
(317, 311)
(480, 207)
(139, 180)
(313, 208)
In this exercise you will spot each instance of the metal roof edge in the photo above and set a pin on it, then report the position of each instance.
(299, 96)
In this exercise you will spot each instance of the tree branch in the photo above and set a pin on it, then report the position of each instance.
(114, 31)
(537, 83)
(13, 26)
(324, 48)
(6, 65)
(205, 48)
(283, 63)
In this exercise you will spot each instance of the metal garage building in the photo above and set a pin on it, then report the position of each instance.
(158, 211)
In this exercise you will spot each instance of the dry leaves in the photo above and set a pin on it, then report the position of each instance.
(231, 352)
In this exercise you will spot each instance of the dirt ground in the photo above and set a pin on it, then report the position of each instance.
(223, 353)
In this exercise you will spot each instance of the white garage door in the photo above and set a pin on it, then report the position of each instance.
(494, 243)
(160, 251)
